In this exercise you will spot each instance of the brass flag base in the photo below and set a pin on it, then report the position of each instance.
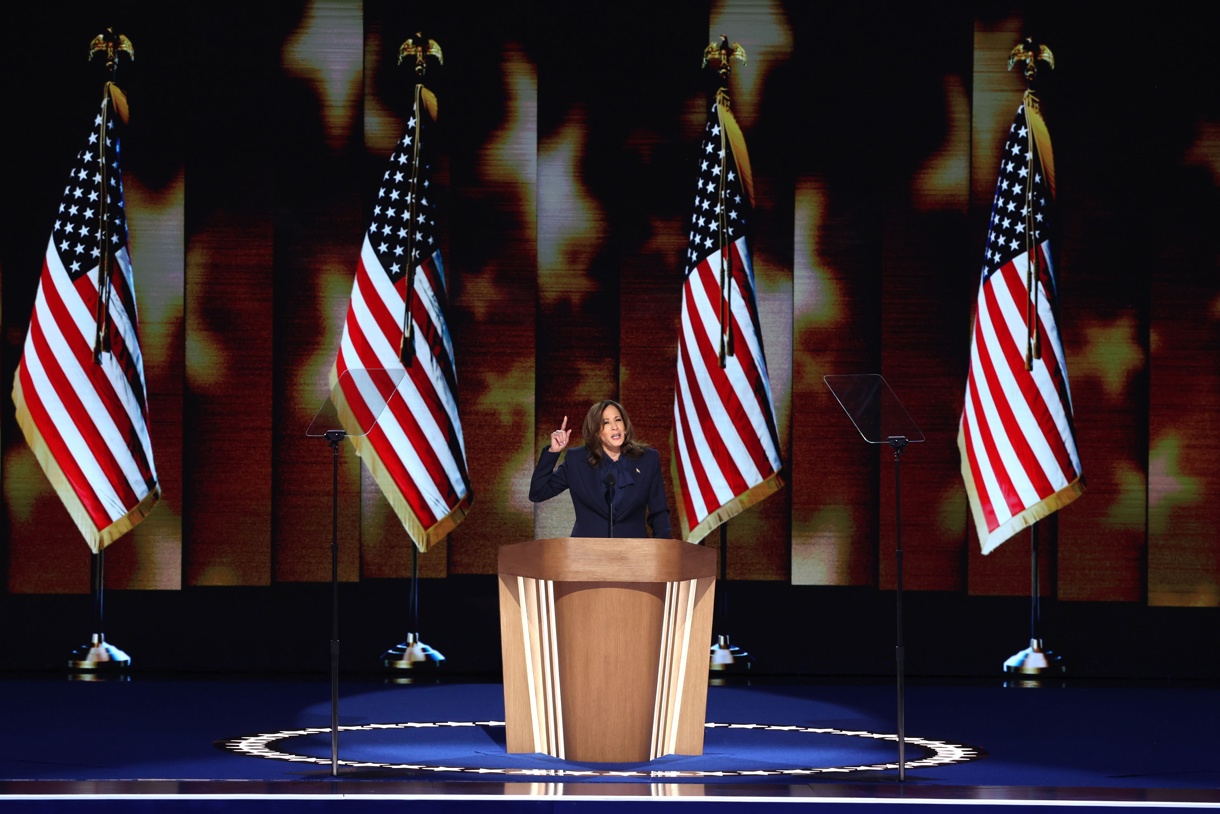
(726, 656)
(98, 655)
(1035, 661)
(411, 655)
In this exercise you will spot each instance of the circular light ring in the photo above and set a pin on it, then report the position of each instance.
(938, 753)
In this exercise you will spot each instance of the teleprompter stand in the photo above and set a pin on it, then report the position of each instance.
(334, 422)
(881, 419)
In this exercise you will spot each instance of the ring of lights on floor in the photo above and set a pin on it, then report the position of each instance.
(270, 745)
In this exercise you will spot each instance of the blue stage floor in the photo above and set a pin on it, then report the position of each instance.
(266, 741)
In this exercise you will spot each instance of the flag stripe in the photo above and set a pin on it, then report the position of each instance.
(381, 438)
(1036, 417)
(686, 457)
(413, 475)
(61, 448)
(92, 435)
(423, 392)
(982, 446)
(1009, 393)
(62, 325)
(983, 483)
(715, 459)
(1000, 432)
(376, 296)
(737, 381)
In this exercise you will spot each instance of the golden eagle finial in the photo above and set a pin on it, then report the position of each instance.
(719, 55)
(112, 46)
(418, 48)
(1031, 53)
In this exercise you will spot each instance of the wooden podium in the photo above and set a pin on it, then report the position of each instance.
(605, 647)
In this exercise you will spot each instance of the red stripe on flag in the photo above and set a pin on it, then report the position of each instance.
(999, 472)
(432, 339)
(1035, 399)
(387, 453)
(79, 414)
(388, 322)
(976, 474)
(721, 454)
(59, 451)
(688, 452)
(401, 413)
(756, 376)
(119, 350)
(730, 398)
(1015, 360)
(101, 394)
(105, 388)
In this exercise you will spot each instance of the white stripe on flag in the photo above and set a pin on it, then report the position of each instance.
(65, 360)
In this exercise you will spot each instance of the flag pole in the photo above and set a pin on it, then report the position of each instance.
(98, 654)
(412, 654)
(1034, 660)
(719, 56)
(416, 50)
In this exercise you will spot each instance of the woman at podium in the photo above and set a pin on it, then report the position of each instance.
(615, 484)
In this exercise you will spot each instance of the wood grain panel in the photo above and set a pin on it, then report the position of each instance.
(621, 558)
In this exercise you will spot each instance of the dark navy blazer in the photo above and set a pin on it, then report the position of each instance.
(638, 486)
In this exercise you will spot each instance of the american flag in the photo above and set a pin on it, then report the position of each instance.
(725, 444)
(1019, 457)
(79, 388)
(415, 450)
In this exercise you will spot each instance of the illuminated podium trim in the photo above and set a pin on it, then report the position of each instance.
(605, 647)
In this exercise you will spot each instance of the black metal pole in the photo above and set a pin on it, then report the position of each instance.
(334, 437)
(900, 647)
(1035, 610)
(414, 593)
(722, 590)
(99, 588)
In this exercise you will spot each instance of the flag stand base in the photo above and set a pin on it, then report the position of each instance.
(1035, 661)
(726, 656)
(411, 655)
(98, 655)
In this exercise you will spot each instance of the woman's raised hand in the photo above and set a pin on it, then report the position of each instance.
(559, 438)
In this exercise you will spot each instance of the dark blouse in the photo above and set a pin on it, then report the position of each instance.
(638, 492)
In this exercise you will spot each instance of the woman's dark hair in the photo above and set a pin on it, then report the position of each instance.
(592, 433)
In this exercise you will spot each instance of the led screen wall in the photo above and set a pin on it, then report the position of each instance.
(569, 131)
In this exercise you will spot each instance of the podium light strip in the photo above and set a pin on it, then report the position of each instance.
(544, 666)
(524, 603)
(659, 708)
(556, 719)
(688, 588)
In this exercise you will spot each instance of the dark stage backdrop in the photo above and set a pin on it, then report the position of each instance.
(259, 134)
